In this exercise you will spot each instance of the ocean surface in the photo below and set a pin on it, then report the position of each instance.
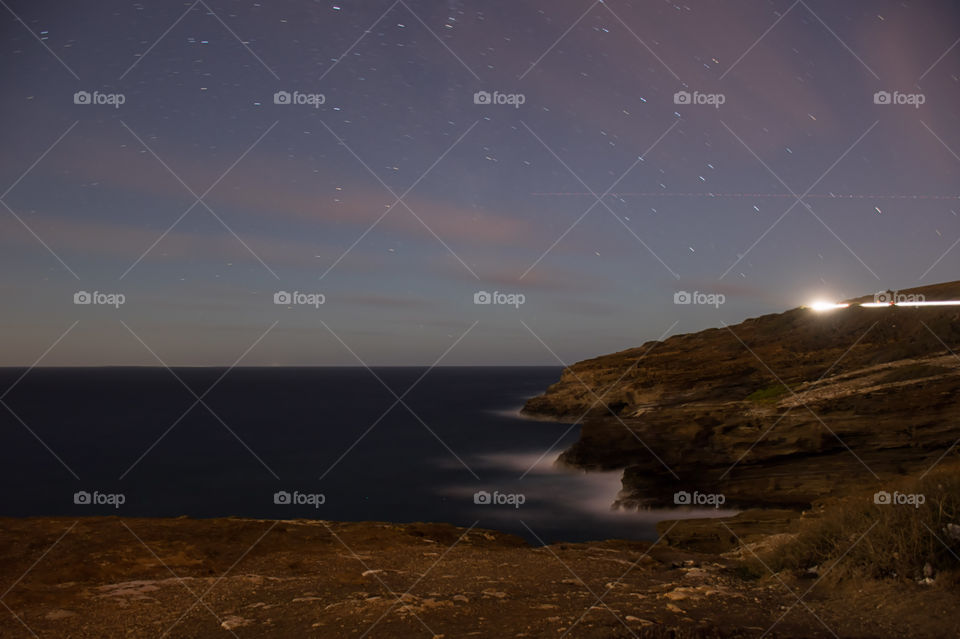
(325, 443)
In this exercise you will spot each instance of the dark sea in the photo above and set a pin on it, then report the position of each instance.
(324, 443)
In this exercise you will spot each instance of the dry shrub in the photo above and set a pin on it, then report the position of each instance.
(855, 537)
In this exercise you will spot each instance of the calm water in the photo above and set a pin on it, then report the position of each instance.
(302, 430)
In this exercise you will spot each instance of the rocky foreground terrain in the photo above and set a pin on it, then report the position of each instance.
(107, 577)
(776, 411)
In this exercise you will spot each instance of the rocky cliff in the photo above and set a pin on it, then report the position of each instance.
(777, 410)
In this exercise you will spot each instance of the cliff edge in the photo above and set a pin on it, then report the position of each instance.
(778, 410)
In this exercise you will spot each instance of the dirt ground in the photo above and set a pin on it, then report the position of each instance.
(112, 577)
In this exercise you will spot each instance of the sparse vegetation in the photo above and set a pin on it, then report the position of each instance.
(769, 394)
(904, 540)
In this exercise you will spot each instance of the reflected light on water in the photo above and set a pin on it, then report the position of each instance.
(556, 493)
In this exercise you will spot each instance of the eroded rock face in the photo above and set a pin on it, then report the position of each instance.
(777, 410)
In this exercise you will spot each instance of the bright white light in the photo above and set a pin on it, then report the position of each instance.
(876, 304)
(933, 303)
(826, 306)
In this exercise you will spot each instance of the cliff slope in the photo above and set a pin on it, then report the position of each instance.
(777, 410)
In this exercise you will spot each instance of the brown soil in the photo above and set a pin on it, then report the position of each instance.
(110, 577)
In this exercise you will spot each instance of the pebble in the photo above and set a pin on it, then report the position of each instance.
(233, 622)
(632, 619)
(53, 615)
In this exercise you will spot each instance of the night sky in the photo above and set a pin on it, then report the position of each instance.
(399, 197)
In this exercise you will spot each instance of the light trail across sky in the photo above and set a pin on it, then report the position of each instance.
(828, 196)
(829, 306)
